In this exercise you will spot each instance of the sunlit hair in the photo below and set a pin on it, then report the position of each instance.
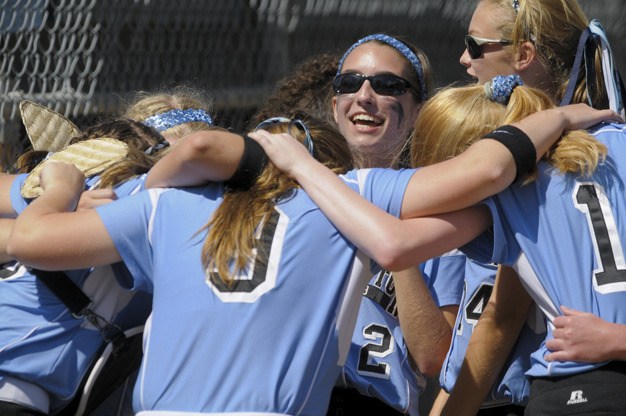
(147, 104)
(554, 26)
(456, 117)
(231, 231)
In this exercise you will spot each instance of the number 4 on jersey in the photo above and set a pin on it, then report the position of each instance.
(477, 303)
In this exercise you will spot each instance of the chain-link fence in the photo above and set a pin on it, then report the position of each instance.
(82, 57)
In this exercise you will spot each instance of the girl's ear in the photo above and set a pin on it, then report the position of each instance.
(526, 56)
(46, 129)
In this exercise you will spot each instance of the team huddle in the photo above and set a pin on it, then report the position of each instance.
(364, 235)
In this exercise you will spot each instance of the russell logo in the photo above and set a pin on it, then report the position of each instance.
(577, 397)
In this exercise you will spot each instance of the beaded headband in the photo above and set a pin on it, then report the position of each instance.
(169, 119)
(500, 88)
(516, 5)
(400, 47)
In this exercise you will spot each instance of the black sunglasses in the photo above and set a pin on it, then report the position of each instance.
(384, 84)
(475, 45)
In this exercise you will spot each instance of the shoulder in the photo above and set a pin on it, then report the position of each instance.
(608, 130)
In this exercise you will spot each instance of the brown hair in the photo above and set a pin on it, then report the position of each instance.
(137, 136)
(307, 88)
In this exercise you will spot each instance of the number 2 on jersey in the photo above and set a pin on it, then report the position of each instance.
(375, 349)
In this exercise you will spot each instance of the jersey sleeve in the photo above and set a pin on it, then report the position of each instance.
(385, 188)
(18, 202)
(497, 244)
(445, 276)
(131, 186)
(128, 223)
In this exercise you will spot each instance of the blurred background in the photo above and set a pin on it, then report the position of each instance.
(83, 57)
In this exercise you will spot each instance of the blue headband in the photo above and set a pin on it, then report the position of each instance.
(308, 141)
(500, 88)
(400, 47)
(169, 119)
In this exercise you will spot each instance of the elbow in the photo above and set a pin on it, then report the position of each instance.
(431, 362)
(21, 243)
(430, 367)
(198, 144)
(498, 177)
(14, 248)
(389, 254)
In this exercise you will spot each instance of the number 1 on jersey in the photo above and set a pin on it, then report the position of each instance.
(611, 273)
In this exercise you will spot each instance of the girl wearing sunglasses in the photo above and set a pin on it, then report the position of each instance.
(379, 376)
(380, 85)
(543, 41)
(537, 40)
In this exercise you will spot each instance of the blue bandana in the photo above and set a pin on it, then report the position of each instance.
(169, 119)
(500, 88)
(400, 47)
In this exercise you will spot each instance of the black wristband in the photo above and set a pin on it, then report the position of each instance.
(252, 163)
(520, 146)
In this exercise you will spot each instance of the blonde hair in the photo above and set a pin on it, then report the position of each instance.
(231, 235)
(554, 27)
(456, 117)
(146, 104)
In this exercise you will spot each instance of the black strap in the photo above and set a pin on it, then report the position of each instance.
(578, 60)
(621, 88)
(66, 290)
(590, 70)
(80, 305)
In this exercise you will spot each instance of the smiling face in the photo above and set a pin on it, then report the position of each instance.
(375, 126)
(496, 59)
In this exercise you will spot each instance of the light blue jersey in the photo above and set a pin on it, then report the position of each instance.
(565, 237)
(379, 364)
(512, 385)
(275, 341)
(40, 341)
